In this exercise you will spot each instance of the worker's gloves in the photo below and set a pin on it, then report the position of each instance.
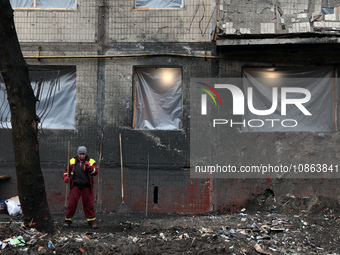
(66, 179)
(87, 165)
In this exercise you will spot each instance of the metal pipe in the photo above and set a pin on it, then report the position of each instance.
(123, 56)
(147, 189)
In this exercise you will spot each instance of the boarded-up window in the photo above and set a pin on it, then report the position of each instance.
(159, 4)
(158, 98)
(44, 3)
(55, 87)
(290, 99)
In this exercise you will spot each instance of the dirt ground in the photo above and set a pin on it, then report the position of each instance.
(298, 226)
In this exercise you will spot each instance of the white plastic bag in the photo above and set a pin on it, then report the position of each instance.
(13, 207)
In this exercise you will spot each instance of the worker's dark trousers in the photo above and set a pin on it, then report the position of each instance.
(88, 206)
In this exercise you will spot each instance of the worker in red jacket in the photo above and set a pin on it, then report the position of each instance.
(81, 170)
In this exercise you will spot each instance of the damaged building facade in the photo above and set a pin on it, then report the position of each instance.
(124, 67)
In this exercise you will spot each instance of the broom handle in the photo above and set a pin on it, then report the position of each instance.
(147, 189)
(121, 166)
(68, 169)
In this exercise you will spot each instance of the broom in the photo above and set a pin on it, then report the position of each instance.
(123, 208)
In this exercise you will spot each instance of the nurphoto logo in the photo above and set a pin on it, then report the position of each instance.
(238, 99)
(231, 120)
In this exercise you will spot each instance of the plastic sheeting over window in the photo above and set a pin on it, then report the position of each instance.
(44, 3)
(159, 3)
(22, 3)
(320, 82)
(158, 98)
(57, 97)
(56, 4)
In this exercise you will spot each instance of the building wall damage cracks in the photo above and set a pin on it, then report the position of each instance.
(286, 17)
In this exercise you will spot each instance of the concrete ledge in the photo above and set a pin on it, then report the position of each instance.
(276, 41)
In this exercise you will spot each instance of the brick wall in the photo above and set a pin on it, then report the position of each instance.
(172, 191)
(124, 24)
(58, 26)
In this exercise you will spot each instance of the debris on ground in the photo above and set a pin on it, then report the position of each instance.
(261, 232)
(11, 206)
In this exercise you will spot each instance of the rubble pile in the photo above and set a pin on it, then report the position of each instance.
(245, 232)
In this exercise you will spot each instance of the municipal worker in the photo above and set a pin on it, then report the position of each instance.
(81, 170)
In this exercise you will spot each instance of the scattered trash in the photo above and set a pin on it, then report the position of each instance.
(277, 229)
(50, 245)
(232, 232)
(15, 241)
(261, 233)
(3, 245)
(162, 236)
(3, 206)
(206, 230)
(304, 223)
(79, 240)
(42, 250)
(260, 250)
(184, 236)
(263, 237)
(13, 206)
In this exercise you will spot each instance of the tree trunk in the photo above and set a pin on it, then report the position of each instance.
(14, 70)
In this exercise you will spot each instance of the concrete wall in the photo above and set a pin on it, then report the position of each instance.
(276, 17)
(105, 103)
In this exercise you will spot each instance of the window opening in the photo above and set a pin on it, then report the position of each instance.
(48, 4)
(289, 99)
(158, 4)
(55, 89)
(158, 98)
